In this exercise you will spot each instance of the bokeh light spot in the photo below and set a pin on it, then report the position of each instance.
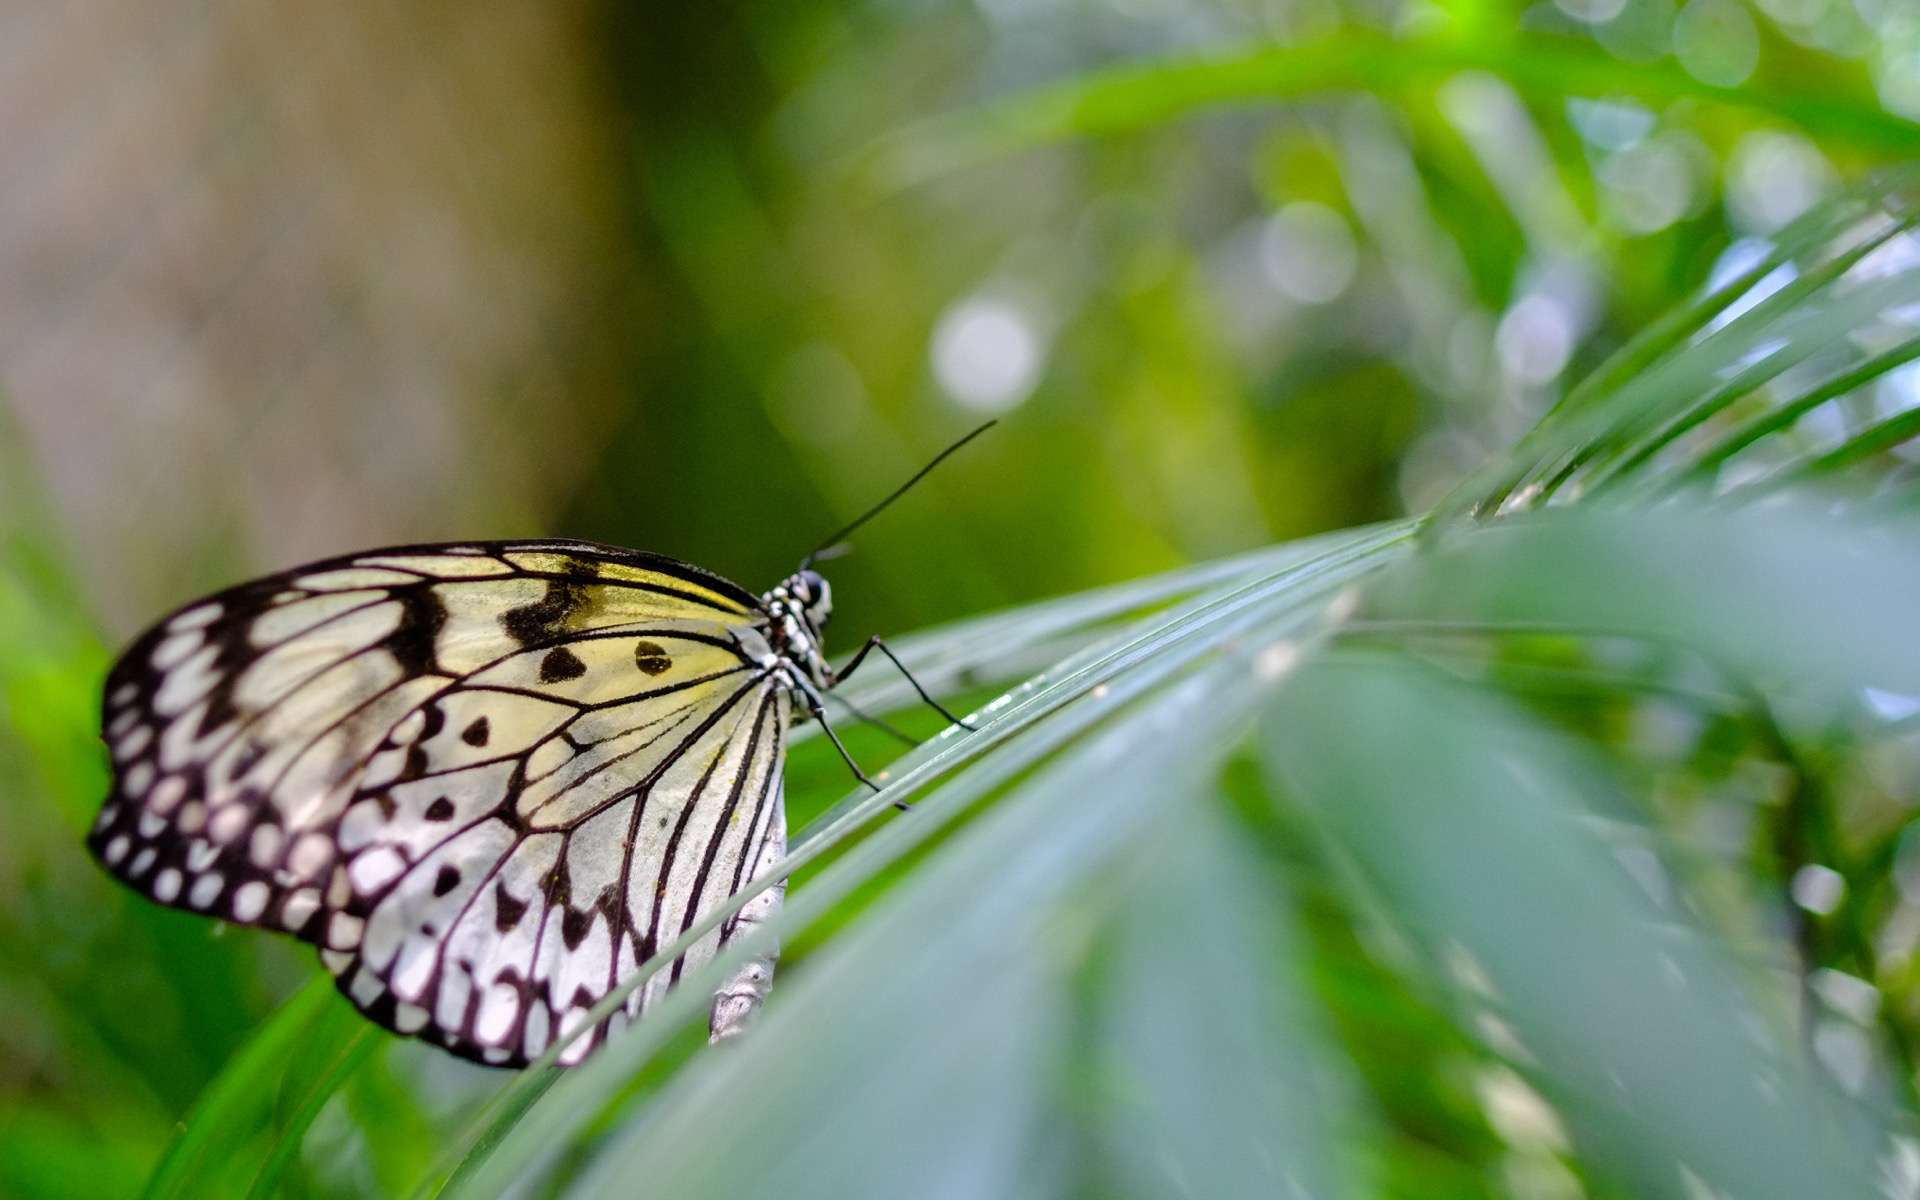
(1716, 41)
(1535, 339)
(1592, 10)
(987, 353)
(1649, 186)
(1773, 178)
(1307, 251)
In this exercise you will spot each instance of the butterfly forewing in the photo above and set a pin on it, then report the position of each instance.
(487, 780)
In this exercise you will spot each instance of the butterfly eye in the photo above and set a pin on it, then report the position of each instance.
(811, 590)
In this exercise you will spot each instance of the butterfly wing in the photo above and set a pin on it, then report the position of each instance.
(488, 780)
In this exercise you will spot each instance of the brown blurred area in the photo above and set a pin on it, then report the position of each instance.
(282, 282)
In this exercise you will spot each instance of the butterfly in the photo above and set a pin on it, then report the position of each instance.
(487, 779)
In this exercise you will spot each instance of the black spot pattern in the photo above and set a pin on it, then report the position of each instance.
(651, 658)
(508, 909)
(550, 616)
(573, 926)
(561, 663)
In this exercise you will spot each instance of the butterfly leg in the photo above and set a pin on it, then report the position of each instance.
(885, 727)
(819, 713)
(875, 643)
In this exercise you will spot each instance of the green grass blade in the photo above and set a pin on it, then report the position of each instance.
(1808, 314)
(342, 1056)
(1782, 416)
(1673, 375)
(234, 1107)
(1875, 440)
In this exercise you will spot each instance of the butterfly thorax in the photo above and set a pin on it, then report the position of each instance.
(797, 613)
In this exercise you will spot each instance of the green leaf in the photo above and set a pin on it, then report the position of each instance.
(1792, 596)
(1139, 96)
(233, 1109)
(1224, 1086)
(1475, 825)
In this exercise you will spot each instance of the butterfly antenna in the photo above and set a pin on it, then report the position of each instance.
(870, 514)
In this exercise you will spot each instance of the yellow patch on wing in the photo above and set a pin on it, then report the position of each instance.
(587, 569)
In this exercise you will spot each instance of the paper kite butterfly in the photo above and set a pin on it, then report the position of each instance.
(486, 779)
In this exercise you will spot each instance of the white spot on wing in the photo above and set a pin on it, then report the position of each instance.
(343, 931)
(187, 682)
(300, 907)
(310, 855)
(498, 1008)
(250, 900)
(534, 1039)
(228, 823)
(264, 845)
(205, 888)
(167, 794)
(174, 649)
(361, 825)
(130, 744)
(198, 616)
(375, 869)
(450, 1010)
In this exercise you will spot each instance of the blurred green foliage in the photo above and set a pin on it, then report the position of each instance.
(1235, 273)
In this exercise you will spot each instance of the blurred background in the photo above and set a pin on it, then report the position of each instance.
(281, 282)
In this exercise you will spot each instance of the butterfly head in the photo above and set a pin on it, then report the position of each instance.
(800, 608)
(814, 596)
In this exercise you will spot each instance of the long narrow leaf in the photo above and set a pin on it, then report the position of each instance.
(1473, 823)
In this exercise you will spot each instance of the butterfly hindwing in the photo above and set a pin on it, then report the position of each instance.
(487, 780)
